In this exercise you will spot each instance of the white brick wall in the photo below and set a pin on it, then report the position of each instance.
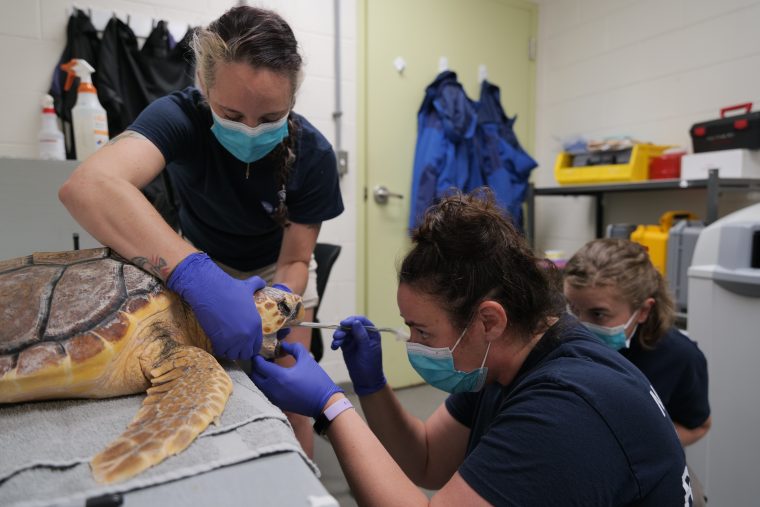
(644, 68)
(32, 36)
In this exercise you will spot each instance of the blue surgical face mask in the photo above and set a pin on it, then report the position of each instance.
(249, 144)
(436, 366)
(613, 337)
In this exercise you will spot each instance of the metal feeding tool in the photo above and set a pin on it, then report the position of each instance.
(400, 333)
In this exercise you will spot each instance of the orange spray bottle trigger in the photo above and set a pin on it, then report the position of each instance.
(68, 67)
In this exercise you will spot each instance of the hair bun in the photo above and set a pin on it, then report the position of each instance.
(465, 225)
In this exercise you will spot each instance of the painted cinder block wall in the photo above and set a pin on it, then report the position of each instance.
(644, 68)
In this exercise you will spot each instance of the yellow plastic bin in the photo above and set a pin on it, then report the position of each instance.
(637, 168)
(655, 237)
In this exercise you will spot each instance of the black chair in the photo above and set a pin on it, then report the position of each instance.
(325, 255)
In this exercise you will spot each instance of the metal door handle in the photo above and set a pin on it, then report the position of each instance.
(381, 194)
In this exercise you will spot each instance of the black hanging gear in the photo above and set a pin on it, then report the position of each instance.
(167, 68)
(122, 85)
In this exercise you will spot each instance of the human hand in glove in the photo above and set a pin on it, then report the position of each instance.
(223, 305)
(303, 388)
(362, 353)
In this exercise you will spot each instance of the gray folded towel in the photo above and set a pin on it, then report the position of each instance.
(45, 447)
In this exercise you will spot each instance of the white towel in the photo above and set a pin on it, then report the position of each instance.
(45, 447)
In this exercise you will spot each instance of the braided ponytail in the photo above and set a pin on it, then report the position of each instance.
(286, 154)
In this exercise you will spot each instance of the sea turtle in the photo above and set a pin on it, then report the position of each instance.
(88, 324)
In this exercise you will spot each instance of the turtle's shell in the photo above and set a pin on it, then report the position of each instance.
(51, 303)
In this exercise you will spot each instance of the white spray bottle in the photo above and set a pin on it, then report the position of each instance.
(88, 116)
(50, 139)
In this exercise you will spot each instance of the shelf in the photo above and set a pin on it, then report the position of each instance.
(646, 186)
(713, 184)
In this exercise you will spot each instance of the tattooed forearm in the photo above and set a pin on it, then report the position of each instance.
(125, 134)
(156, 266)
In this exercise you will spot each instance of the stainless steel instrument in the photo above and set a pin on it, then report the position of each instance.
(400, 333)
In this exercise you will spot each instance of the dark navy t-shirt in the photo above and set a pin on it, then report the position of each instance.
(678, 371)
(222, 212)
(579, 425)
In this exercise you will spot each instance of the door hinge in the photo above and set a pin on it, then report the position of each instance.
(365, 193)
(532, 49)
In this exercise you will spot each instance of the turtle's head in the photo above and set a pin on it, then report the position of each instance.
(278, 309)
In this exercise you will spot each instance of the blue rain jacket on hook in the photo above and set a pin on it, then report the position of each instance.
(444, 156)
(504, 165)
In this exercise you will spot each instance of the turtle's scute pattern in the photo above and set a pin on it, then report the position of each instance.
(22, 293)
(70, 257)
(82, 347)
(135, 303)
(7, 363)
(16, 263)
(89, 324)
(136, 281)
(85, 294)
(39, 356)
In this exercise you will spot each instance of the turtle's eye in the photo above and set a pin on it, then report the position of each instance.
(283, 307)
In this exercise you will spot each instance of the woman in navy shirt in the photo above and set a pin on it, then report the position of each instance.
(540, 412)
(614, 289)
(254, 181)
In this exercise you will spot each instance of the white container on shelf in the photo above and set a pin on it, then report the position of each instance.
(50, 138)
(738, 163)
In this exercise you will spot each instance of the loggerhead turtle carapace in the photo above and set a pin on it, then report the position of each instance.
(88, 324)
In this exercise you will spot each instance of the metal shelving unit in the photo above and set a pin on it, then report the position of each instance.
(713, 183)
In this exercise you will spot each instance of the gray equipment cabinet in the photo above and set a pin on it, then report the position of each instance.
(724, 303)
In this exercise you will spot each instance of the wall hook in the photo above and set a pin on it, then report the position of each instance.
(482, 73)
(443, 64)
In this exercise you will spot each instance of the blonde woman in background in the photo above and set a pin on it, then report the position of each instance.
(616, 292)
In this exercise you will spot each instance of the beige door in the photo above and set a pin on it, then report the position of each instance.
(417, 34)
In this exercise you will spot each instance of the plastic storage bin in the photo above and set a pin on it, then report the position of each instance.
(636, 167)
(665, 166)
(655, 237)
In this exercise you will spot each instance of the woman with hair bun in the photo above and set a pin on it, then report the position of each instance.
(540, 412)
(254, 181)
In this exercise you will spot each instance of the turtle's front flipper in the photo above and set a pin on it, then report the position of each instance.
(190, 389)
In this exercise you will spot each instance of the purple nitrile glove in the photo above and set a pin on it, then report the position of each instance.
(285, 331)
(303, 388)
(223, 305)
(362, 353)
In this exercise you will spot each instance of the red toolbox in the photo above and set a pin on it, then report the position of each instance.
(728, 132)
